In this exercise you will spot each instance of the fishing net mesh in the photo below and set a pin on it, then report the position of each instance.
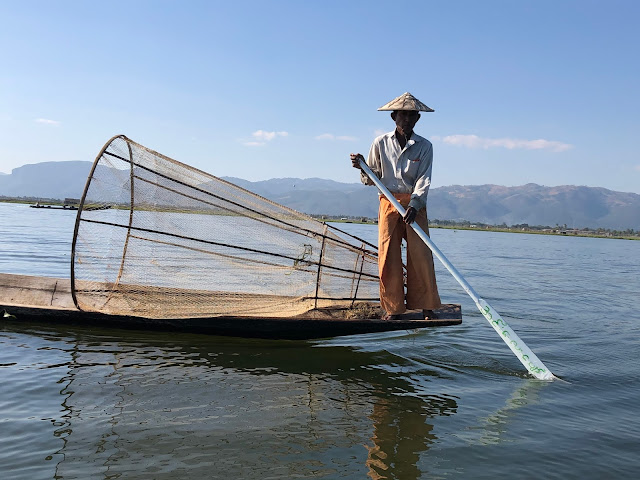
(159, 239)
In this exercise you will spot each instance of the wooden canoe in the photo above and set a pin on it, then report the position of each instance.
(46, 299)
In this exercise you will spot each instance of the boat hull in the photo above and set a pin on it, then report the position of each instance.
(48, 300)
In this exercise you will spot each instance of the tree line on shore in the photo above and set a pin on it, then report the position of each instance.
(519, 227)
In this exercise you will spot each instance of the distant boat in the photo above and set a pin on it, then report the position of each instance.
(55, 207)
(70, 207)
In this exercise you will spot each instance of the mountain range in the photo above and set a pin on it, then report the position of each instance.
(575, 206)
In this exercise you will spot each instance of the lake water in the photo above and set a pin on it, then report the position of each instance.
(450, 402)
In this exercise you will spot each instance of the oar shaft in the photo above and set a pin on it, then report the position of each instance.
(531, 362)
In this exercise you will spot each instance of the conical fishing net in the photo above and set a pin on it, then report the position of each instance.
(159, 239)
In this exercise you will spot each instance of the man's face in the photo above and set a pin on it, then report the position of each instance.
(405, 119)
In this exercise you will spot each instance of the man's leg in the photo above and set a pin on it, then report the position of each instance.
(422, 290)
(390, 233)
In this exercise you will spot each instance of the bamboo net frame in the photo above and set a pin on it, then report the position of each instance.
(157, 238)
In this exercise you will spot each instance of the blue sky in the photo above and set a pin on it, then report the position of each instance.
(539, 91)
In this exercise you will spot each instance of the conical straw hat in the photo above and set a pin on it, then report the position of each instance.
(406, 101)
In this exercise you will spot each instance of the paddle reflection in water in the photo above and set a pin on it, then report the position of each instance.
(154, 406)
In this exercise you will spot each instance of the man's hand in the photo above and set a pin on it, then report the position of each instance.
(410, 215)
(355, 160)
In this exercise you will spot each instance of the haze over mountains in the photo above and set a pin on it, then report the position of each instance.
(575, 206)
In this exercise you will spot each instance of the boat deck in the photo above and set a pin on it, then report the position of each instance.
(46, 299)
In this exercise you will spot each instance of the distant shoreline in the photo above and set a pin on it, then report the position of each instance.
(536, 230)
(563, 232)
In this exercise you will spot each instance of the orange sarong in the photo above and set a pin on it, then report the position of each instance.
(422, 290)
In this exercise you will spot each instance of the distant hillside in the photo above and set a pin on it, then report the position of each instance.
(47, 180)
(533, 204)
(316, 196)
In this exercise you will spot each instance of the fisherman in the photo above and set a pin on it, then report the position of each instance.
(402, 160)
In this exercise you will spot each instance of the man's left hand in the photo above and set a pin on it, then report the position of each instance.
(410, 215)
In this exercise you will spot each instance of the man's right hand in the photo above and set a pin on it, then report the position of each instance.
(355, 160)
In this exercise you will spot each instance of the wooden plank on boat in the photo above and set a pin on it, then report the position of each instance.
(45, 299)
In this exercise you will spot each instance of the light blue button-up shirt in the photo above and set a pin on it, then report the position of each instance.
(402, 170)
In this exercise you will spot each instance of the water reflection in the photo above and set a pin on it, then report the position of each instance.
(400, 434)
(494, 427)
(153, 406)
(143, 405)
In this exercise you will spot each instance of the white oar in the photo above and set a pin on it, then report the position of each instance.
(517, 346)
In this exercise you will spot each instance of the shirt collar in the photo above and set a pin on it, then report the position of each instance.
(415, 138)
